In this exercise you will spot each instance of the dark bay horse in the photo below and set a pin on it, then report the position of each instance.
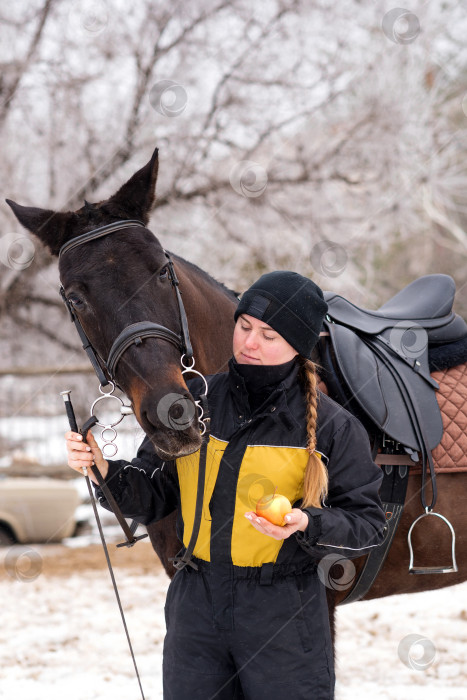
(121, 279)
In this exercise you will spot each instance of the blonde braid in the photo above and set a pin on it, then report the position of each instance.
(315, 482)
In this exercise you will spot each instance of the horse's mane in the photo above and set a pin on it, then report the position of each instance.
(206, 276)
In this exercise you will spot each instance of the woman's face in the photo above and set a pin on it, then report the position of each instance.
(256, 343)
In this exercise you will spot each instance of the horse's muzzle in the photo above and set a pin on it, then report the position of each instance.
(171, 423)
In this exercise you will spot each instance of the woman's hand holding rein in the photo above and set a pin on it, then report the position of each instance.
(82, 455)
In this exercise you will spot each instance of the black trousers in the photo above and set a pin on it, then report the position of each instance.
(232, 636)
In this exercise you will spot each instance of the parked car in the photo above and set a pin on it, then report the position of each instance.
(37, 510)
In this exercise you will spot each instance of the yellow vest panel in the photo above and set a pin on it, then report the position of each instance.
(265, 469)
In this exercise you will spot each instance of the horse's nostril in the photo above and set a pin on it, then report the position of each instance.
(176, 411)
(173, 411)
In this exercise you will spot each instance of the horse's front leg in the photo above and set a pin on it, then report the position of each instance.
(165, 541)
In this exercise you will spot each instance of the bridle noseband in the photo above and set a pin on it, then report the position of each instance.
(135, 332)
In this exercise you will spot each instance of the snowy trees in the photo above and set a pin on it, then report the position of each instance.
(325, 137)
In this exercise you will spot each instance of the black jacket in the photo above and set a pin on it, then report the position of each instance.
(253, 453)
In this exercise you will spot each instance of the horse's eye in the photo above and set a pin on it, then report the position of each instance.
(76, 302)
(164, 272)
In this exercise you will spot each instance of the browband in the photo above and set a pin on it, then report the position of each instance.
(98, 233)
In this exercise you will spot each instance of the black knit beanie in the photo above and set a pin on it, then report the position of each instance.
(291, 304)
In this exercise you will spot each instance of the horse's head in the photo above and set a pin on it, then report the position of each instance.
(117, 280)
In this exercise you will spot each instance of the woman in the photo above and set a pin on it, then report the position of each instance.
(252, 620)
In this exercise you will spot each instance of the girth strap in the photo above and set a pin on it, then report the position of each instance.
(393, 492)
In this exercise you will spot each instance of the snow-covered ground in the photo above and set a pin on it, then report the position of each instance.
(62, 637)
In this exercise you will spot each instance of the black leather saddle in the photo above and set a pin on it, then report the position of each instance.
(426, 302)
(376, 362)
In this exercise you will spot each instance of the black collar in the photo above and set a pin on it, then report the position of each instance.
(260, 377)
(274, 395)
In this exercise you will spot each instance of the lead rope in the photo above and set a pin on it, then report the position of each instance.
(184, 558)
(180, 561)
(74, 426)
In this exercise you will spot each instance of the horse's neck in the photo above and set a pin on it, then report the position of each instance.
(210, 310)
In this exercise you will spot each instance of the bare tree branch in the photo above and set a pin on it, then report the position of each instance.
(47, 333)
(10, 89)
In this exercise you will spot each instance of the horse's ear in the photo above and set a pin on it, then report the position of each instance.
(136, 197)
(50, 226)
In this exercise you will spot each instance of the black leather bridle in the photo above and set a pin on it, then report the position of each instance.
(135, 332)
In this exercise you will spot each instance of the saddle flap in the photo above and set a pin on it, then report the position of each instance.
(378, 388)
(360, 371)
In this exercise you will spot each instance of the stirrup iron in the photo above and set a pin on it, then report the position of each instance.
(432, 569)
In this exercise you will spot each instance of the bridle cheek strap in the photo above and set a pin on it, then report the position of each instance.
(87, 346)
(186, 342)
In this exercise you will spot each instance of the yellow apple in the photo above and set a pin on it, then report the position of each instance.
(273, 507)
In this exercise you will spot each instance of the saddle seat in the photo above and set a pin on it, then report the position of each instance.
(426, 303)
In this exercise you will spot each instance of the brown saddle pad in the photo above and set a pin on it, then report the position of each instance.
(451, 453)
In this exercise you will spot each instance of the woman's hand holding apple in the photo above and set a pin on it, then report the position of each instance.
(295, 520)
